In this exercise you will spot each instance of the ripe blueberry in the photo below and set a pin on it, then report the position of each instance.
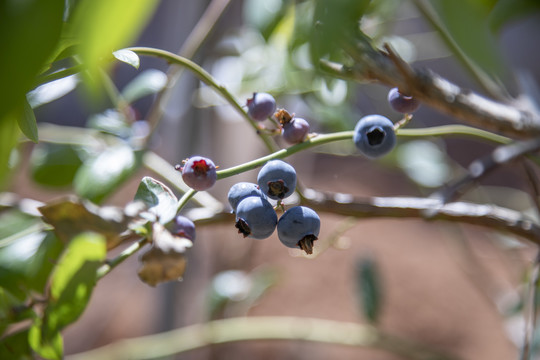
(299, 227)
(374, 135)
(255, 217)
(277, 179)
(261, 106)
(242, 190)
(183, 227)
(402, 103)
(198, 172)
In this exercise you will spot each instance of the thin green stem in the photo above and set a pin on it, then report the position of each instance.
(184, 199)
(111, 264)
(205, 77)
(454, 130)
(259, 328)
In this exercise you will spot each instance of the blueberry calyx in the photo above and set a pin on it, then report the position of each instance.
(277, 188)
(243, 227)
(306, 243)
(375, 136)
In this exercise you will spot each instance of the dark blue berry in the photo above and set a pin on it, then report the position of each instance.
(299, 227)
(255, 218)
(402, 103)
(199, 173)
(295, 131)
(374, 135)
(183, 227)
(242, 190)
(277, 179)
(261, 106)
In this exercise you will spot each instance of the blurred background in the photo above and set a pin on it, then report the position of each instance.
(455, 288)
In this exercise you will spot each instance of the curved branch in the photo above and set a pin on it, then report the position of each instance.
(387, 68)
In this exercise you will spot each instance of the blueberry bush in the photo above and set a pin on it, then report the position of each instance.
(324, 57)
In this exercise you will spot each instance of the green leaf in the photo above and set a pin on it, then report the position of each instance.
(100, 176)
(104, 26)
(467, 23)
(74, 279)
(46, 345)
(29, 32)
(110, 121)
(128, 57)
(27, 261)
(146, 83)
(52, 90)
(369, 289)
(506, 11)
(70, 217)
(54, 164)
(16, 347)
(12, 310)
(160, 200)
(9, 133)
(27, 122)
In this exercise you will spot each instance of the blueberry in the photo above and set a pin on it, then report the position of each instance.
(299, 227)
(242, 190)
(261, 106)
(255, 217)
(402, 103)
(277, 179)
(374, 135)
(183, 227)
(295, 131)
(199, 173)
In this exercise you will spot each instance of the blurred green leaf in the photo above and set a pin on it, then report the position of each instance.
(369, 288)
(9, 134)
(128, 57)
(467, 23)
(73, 279)
(27, 254)
(146, 83)
(70, 217)
(100, 176)
(105, 26)
(16, 347)
(333, 23)
(48, 345)
(52, 90)
(110, 121)
(54, 164)
(27, 122)
(29, 32)
(506, 11)
(160, 200)
(12, 310)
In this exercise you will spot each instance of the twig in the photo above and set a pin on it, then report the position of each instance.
(481, 167)
(433, 90)
(260, 328)
(129, 251)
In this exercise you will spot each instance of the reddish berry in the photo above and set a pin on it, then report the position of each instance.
(198, 172)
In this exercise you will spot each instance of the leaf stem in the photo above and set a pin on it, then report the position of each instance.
(111, 264)
(205, 77)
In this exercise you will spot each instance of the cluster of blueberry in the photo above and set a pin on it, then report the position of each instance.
(298, 227)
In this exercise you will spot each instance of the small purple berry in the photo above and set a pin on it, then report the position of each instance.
(295, 131)
(199, 173)
(402, 103)
(183, 227)
(261, 106)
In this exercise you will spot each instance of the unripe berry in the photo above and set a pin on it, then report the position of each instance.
(261, 106)
(199, 173)
(402, 103)
(183, 227)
